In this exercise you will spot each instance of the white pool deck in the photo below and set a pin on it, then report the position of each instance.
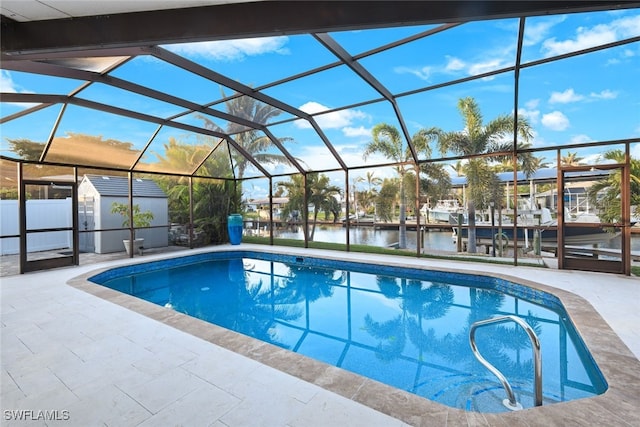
(90, 361)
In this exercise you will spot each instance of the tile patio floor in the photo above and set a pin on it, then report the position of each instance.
(100, 358)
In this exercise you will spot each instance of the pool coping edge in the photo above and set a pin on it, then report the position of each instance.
(616, 362)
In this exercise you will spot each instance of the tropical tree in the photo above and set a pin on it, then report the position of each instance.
(319, 194)
(458, 168)
(437, 185)
(332, 207)
(367, 198)
(294, 190)
(252, 141)
(26, 149)
(388, 141)
(605, 194)
(371, 180)
(479, 138)
(386, 198)
(213, 199)
(571, 159)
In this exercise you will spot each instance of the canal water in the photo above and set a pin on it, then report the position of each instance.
(433, 240)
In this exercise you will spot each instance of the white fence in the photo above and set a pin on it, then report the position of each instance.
(55, 213)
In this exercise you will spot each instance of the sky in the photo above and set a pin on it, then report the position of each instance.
(586, 98)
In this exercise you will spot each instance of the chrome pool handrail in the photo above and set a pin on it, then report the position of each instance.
(511, 401)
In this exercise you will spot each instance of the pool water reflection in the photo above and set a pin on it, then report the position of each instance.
(406, 328)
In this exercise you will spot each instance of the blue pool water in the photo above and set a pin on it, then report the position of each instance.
(408, 328)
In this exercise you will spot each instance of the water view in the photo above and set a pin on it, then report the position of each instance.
(433, 240)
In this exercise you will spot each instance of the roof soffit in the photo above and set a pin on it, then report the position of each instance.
(257, 19)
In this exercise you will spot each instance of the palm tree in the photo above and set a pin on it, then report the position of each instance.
(388, 141)
(319, 194)
(213, 199)
(437, 185)
(370, 179)
(605, 194)
(368, 197)
(478, 138)
(458, 168)
(254, 142)
(386, 199)
(571, 159)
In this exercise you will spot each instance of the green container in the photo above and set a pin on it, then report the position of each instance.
(234, 227)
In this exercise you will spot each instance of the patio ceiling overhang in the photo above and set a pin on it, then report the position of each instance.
(91, 46)
(258, 19)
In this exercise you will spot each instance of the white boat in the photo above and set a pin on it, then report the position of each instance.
(580, 230)
(442, 211)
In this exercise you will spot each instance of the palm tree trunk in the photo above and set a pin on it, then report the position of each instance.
(471, 241)
(313, 226)
(402, 231)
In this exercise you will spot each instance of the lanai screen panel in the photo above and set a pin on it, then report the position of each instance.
(128, 100)
(306, 145)
(249, 109)
(264, 152)
(326, 90)
(207, 121)
(47, 172)
(154, 73)
(439, 108)
(9, 182)
(550, 36)
(363, 42)
(177, 151)
(559, 102)
(95, 138)
(26, 137)
(21, 82)
(352, 139)
(567, 106)
(459, 52)
(250, 61)
(218, 164)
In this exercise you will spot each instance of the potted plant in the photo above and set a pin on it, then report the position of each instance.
(140, 219)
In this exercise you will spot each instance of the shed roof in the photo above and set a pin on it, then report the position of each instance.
(119, 186)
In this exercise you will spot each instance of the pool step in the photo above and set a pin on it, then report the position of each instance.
(475, 392)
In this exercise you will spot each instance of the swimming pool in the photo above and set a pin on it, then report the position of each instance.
(404, 327)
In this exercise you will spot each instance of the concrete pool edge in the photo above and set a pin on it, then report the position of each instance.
(619, 366)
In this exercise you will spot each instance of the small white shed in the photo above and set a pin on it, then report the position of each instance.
(96, 193)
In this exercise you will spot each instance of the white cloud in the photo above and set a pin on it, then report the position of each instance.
(555, 121)
(422, 73)
(356, 132)
(536, 32)
(565, 97)
(594, 36)
(486, 66)
(580, 139)
(333, 120)
(533, 115)
(6, 83)
(532, 104)
(454, 64)
(570, 95)
(604, 94)
(592, 159)
(233, 50)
